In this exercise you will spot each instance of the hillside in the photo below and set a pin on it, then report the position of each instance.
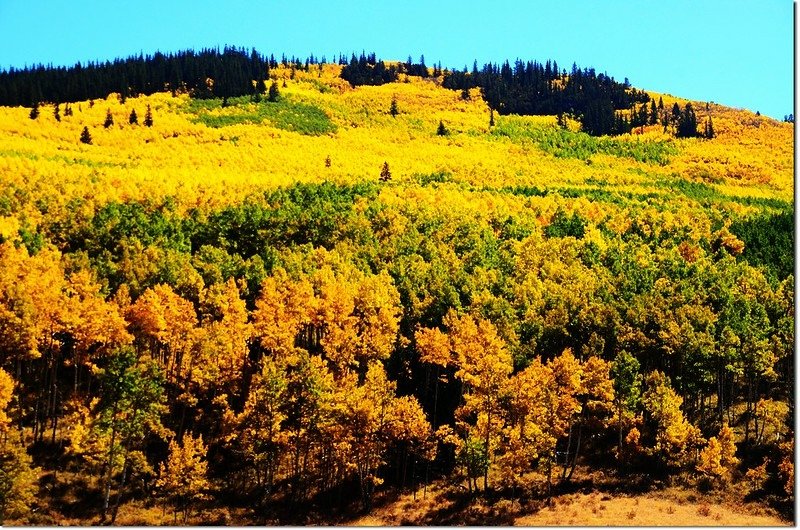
(316, 302)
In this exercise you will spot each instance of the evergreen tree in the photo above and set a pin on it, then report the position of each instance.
(393, 107)
(491, 117)
(441, 130)
(109, 119)
(687, 122)
(465, 93)
(261, 86)
(386, 175)
(57, 112)
(35, 111)
(328, 161)
(148, 117)
(709, 129)
(85, 136)
(653, 112)
(274, 93)
(133, 119)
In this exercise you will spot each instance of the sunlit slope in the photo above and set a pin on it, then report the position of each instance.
(203, 155)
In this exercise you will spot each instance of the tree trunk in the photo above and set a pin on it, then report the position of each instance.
(107, 493)
(121, 490)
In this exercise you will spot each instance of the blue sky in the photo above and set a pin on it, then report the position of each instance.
(734, 52)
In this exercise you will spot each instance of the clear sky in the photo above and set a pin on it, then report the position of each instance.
(734, 52)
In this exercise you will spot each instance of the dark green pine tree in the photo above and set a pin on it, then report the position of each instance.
(709, 133)
(109, 119)
(465, 93)
(393, 108)
(86, 138)
(148, 117)
(491, 117)
(57, 112)
(386, 175)
(133, 119)
(653, 112)
(687, 123)
(274, 94)
(34, 111)
(441, 130)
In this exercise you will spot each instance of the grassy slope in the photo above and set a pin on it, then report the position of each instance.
(669, 507)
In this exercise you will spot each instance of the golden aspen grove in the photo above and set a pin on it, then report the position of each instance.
(324, 297)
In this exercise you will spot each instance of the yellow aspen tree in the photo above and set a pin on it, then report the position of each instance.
(18, 478)
(182, 479)
(6, 393)
(483, 365)
(334, 316)
(377, 309)
(770, 416)
(96, 326)
(258, 435)
(786, 467)
(674, 435)
(596, 398)
(226, 335)
(167, 324)
(284, 311)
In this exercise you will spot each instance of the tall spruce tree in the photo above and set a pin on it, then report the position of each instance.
(109, 119)
(34, 111)
(86, 138)
(274, 93)
(148, 117)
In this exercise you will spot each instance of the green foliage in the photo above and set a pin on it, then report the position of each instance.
(768, 241)
(434, 178)
(473, 457)
(627, 381)
(283, 113)
(568, 144)
(564, 225)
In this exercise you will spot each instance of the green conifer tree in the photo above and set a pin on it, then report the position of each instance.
(85, 136)
(386, 175)
(109, 119)
(133, 119)
(274, 94)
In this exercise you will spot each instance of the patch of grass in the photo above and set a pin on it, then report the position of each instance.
(568, 144)
(285, 114)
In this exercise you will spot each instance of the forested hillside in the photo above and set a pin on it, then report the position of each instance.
(238, 290)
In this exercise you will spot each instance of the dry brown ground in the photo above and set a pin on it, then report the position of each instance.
(670, 507)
